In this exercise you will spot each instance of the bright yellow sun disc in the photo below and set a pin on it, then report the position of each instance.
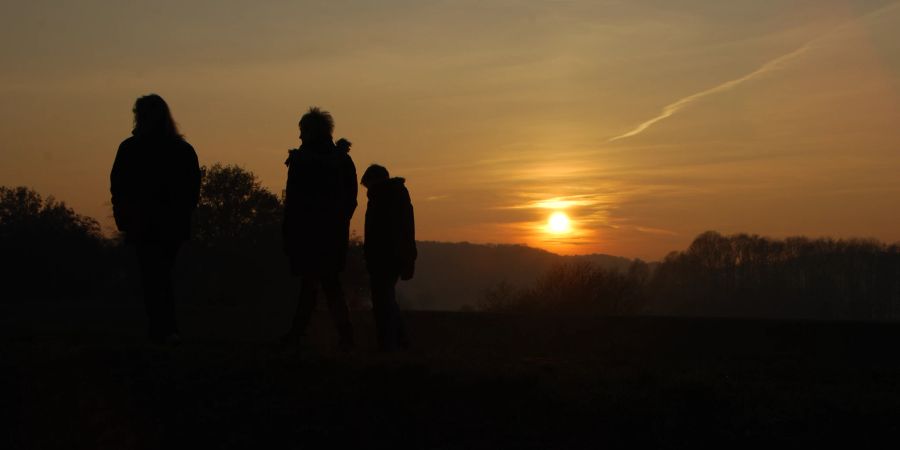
(559, 223)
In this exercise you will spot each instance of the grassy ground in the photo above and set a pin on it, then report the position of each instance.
(472, 381)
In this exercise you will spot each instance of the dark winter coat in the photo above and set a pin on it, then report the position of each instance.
(319, 201)
(155, 186)
(390, 237)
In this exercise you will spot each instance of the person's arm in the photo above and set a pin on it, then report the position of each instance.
(118, 187)
(290, 195)
(407, 224)
(350, 188)
(192, 179)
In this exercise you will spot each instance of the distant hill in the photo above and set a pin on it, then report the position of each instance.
(450, 276)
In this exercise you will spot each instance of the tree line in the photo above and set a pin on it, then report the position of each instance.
(738, 275)
(235, 255)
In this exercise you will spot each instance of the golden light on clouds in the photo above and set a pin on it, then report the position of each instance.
(561, 223)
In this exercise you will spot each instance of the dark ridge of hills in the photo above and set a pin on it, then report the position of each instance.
(453, 275)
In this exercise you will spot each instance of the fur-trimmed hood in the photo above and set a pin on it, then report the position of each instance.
(329, 153)
(392, 186)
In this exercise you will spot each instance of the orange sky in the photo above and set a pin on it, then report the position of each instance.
(645, 122)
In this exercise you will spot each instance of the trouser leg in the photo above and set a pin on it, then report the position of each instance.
(306, 303)
(380, 296)
(168, 254)
(148, 261)
(157, 263)
(389, 326)
(337, 306)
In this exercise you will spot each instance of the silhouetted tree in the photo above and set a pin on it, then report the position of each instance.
(234, 206)
(48, 250)
(744, 274)
(738, 275)
(24, 213)
(237, 255)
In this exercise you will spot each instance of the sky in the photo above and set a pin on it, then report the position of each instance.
(645, 122)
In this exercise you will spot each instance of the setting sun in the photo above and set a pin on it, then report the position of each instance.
(559, 223)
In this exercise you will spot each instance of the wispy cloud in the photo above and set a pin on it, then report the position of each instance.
(563, 202)
(767, 67)
(673, 108)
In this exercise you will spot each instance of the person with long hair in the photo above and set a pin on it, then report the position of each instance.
(320, 199)
(155, 186)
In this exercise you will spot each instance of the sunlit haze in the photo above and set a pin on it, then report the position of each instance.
(558, 223)
(624, 128)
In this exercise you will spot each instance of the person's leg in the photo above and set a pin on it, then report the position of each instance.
(379, 290)
(391, 333)
(149, 264)
(397, 333)
(306, 303)
(337, 306)
(402, 337)
(168, 254)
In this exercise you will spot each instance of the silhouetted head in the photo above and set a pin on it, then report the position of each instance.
(316, 126)
(374, 174)
(153, 118)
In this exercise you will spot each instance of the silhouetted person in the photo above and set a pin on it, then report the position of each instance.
(155, 186)
(390, 251)
(319, 202)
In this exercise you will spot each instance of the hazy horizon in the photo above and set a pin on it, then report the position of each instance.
(645, 123)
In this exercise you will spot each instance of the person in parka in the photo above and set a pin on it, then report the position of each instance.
(390, 251)
(319, 202)
(155, 187)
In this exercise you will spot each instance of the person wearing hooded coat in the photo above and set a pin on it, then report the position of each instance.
(390, 251)
(319, 202)
(155, 187)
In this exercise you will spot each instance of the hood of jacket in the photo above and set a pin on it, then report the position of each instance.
(386, 188)
(327, 153)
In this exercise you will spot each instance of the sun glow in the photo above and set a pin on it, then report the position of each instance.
(559, 223)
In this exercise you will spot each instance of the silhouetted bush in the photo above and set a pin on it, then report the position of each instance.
(452, 275)
(48, 251)
(574, 287)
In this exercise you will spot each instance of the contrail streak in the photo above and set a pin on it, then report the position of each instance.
(677, 106)
(769, 66)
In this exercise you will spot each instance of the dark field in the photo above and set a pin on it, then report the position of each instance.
(84, 378)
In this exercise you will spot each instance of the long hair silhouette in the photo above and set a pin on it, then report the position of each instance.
(153, 118)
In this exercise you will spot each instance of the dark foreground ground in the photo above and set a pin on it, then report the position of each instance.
(84, 378)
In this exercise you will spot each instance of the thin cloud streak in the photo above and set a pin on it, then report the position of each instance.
(673, 108)
(769, 66)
